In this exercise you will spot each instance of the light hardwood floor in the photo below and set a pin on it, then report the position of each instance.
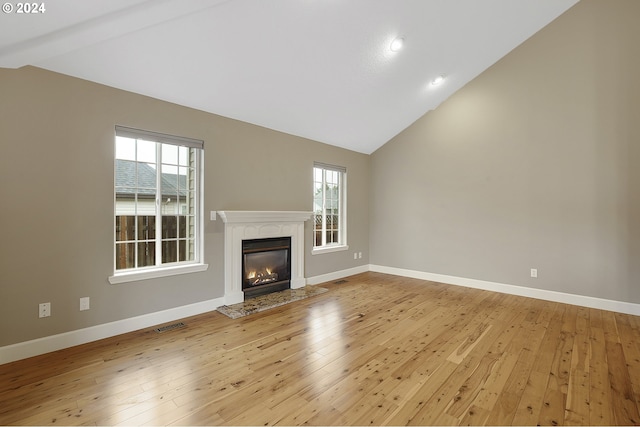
(376, 350)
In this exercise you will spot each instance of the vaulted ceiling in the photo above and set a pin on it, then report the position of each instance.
(320, 69)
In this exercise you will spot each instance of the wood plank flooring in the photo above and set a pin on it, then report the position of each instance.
(376, 350)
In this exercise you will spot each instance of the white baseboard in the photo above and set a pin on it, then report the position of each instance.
(23, 350)
(584, 301)
(44, 345)
(336, 275)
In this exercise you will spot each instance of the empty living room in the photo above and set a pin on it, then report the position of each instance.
(293, 212)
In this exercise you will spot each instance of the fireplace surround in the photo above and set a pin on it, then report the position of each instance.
(252, 225)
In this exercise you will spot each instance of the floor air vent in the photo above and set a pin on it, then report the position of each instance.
(170, 327)
(340, 282)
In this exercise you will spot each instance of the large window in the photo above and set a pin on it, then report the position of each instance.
(157, 198)
(329, 207)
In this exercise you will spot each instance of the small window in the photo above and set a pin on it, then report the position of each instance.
(157, 201)
(329, 207)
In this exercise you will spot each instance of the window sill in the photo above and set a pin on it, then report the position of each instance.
(156, 273)
(328, 249)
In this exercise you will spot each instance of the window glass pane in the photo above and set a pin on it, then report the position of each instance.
(182, 250)
(146, 254)
(146, 151)
(188, 204)
(146, 203)
(125, 255)
(125, 174)
(318, 197)
(188, 230)
(332, 192)
(146, 176)
(183, 179)
(125, 228)
(187, 253)
(170, 175)
(147, 227)
(182, 226)
(125, 148)
(126, 203)
(332, 177)
(169, 154)
(183, 156)
(169, 226)
(169, 251)
(169, 205)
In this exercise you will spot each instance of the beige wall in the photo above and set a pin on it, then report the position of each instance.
(534, 164)
(56, 188)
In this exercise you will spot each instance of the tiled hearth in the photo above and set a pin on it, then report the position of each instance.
(266, 302)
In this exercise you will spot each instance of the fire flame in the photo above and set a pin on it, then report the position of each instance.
(265, 276)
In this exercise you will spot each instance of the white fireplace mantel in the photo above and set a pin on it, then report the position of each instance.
(245, 225)
(232, 217)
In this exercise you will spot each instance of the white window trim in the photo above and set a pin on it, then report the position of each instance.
(186, 267)
(154, 273)
(343, 246)
(317, 250)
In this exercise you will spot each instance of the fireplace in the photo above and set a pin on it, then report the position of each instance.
(266, 266)
(253, 225)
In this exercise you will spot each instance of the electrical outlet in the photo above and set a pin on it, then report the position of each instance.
(355, 255)
(44, 309)
(84, 304)
(359, 255)
(534, 272)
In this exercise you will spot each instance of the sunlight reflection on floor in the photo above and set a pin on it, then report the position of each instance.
(326, 339)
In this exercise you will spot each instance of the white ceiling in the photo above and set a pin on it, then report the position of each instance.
(320, 69)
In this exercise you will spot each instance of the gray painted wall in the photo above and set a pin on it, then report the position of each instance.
(531, 165)
(534, 164)
(56, 188)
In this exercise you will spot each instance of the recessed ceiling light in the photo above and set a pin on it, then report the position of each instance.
(397, 44)
(437, 80)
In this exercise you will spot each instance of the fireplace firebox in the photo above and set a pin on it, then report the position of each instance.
(266, 266)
